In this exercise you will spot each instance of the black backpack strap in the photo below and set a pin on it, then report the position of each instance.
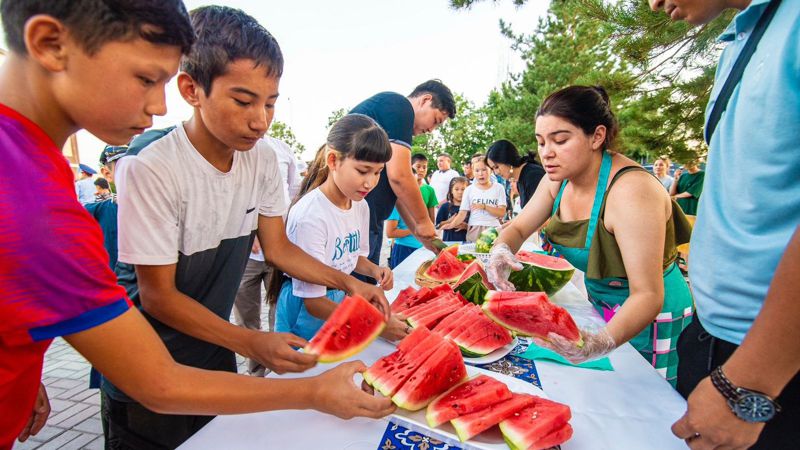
(738, 69)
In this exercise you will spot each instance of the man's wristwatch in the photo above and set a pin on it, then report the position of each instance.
(750, 406)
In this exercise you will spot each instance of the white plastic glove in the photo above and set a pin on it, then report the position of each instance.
(501, 262)
(595, 344)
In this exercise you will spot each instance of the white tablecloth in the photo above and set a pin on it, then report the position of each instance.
(631, 407)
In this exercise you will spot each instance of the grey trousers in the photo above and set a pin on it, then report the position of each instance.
(247, 307)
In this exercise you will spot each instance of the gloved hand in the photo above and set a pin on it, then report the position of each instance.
(501, 262)
(595, 344)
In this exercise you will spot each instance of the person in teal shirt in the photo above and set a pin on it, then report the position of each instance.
(745, 258)
(404, 241)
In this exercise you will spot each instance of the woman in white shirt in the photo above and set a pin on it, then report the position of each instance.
(484, 199)
(330, 221)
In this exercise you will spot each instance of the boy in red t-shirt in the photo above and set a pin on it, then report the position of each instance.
(101, 66)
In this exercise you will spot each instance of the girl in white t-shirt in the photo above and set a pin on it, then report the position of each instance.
(330, 221)
(484, 199)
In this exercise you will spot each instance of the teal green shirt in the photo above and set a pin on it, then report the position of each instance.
(750, 205)
(429, 198)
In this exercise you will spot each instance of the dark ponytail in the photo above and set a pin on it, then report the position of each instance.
(505, 152)
(586, 107)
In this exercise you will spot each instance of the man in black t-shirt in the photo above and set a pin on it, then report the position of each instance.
(427, 107)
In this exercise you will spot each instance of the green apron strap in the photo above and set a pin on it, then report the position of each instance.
(600, 191)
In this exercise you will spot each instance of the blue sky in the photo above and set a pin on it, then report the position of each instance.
(340, 52)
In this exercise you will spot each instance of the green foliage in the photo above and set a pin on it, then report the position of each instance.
(658, 73)
(336, 115)
(282, 131)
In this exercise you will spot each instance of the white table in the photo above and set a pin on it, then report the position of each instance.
(632, 407)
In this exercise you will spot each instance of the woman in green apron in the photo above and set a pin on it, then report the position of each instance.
(612, 220)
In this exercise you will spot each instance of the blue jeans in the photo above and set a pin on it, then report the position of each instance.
(399, 253)
(293, 317)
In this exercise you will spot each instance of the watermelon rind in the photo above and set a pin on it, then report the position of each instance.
(473, 283)
(538, 278)
(466, 257)
(510, 444)
(352, 312)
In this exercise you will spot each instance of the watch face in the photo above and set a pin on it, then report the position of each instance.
(754, 408)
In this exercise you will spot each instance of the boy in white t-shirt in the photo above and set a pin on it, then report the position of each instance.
(190, 205)
(484, 199)
(330, 221)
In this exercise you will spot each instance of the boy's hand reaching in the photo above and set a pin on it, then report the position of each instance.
(385, 278)
(396, 329)
(372, 294)
(338, 395)
(275, 351)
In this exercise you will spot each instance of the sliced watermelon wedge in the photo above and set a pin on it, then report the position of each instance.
(389, 362)
(542, 425)
(391, 379)
(446, 325)
(353, 325)
(472, 395)
(489, 336)
(443, 370)
(470, 425)
(533, 315)
(432, 317)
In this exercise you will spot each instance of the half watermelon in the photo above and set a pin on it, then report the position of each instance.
(542, 425)
(352, 326)
(467, 397)
(541, 273)
(532, 315)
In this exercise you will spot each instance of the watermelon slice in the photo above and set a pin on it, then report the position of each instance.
(470, 425)
(453, 249)
(533, 315)
(488, 337)
(542, 425)
(402, 302)
(391, 379)
(473, 283)
(389, 362)
(430, 318)
(443, 370)
(446, 325)
(464, 323)
(445, 268)
(352, 326)
(541, 273)
(472, 395)
(432, 304)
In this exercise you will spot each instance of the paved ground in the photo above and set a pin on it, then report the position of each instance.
(74, 422)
